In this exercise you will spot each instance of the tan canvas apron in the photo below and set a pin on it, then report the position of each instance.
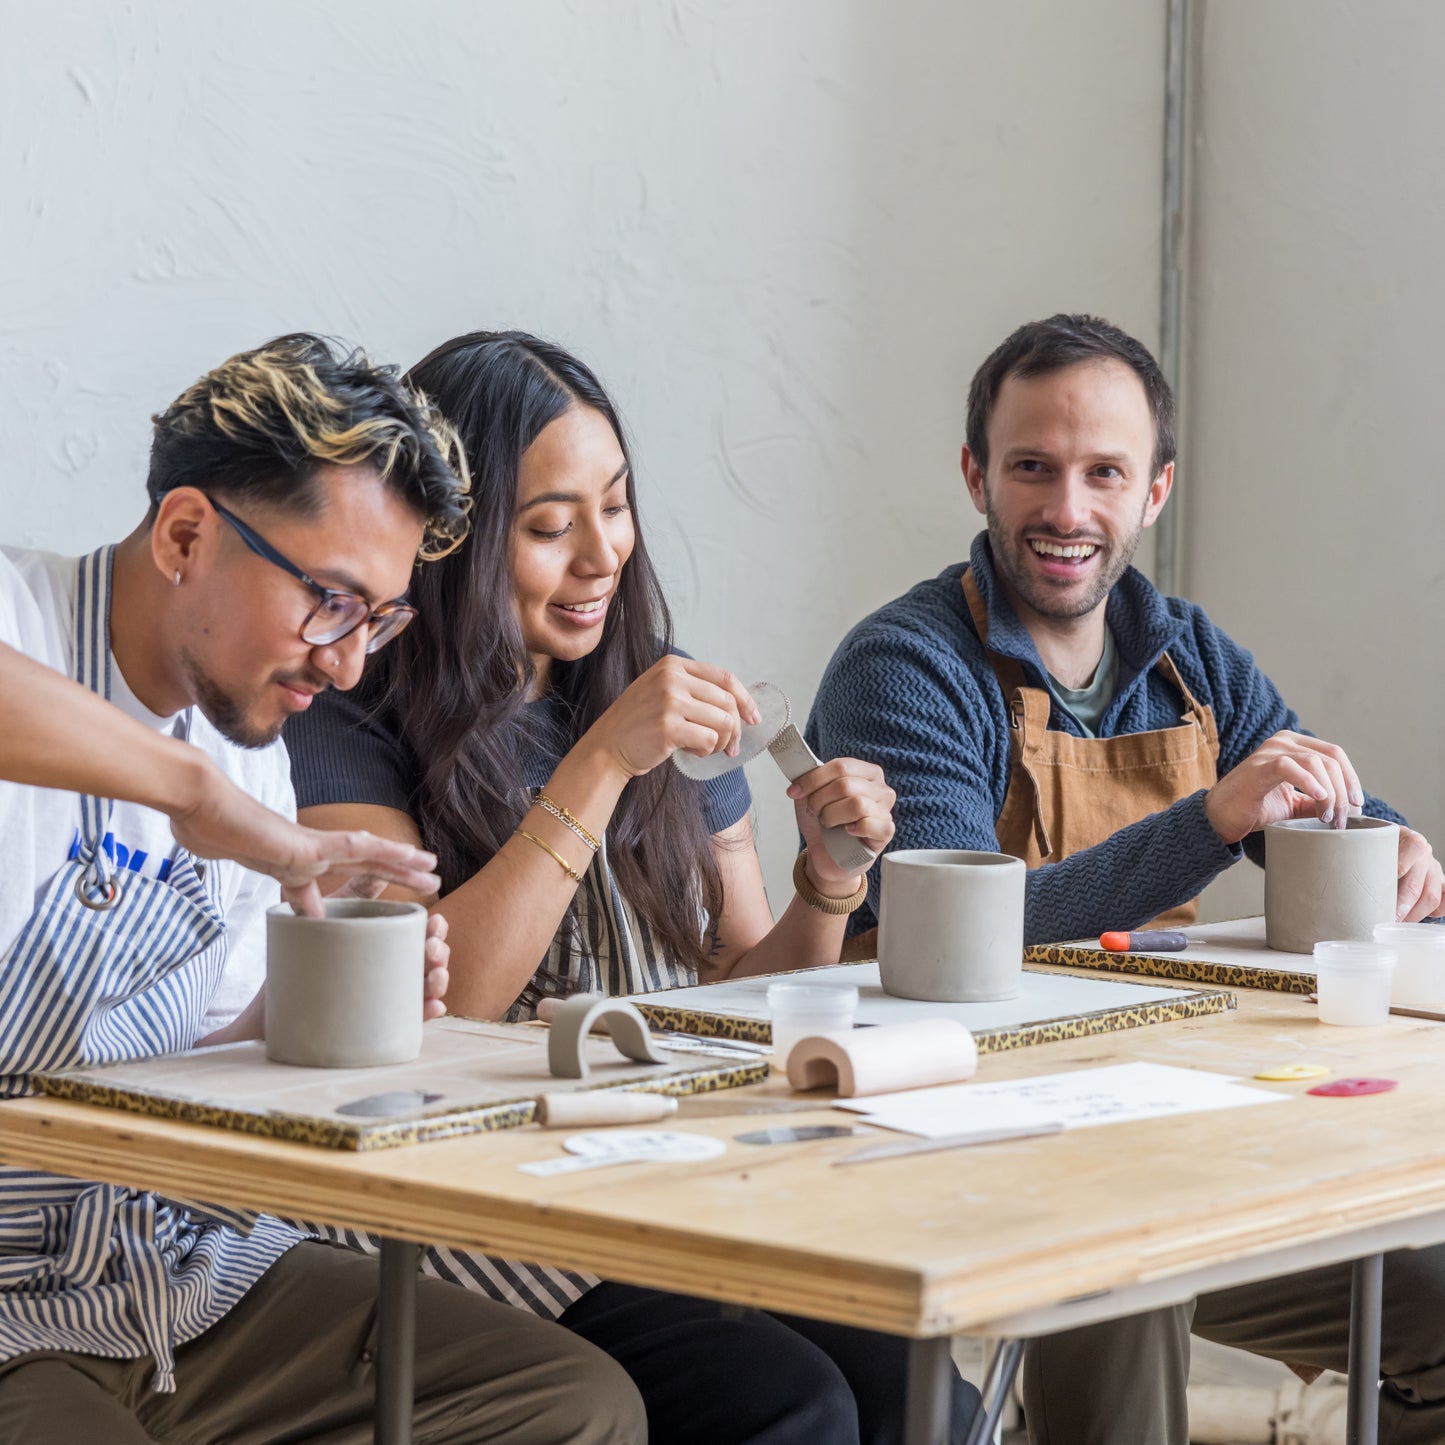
(1066, 793)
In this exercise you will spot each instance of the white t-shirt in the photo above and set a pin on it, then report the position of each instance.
(40, 827)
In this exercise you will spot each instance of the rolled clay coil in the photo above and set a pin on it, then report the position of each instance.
(913, 1055)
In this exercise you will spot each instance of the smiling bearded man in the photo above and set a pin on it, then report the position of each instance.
(1045, 700)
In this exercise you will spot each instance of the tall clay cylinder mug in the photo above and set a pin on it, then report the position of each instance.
(951, 925)
(345, 991)
(1322, 882)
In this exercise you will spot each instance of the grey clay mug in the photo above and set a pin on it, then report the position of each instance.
(951, 925)
(1322, 882)
(345, 991)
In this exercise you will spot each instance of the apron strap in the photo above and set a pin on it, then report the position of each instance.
(1008, 670)
(146, 1280)
(98, 887)
(1028, 707)
(1201, 714)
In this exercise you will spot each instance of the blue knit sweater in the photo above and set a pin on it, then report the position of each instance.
(910, 688)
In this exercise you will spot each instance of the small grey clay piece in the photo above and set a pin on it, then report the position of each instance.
(400, 1101)
(1322, 882)
(951, 925)
(795, 1134)
(345, 991)
(573, 1020)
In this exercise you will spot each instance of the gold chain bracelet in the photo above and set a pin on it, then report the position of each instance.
(565, 866)
(567, 819)
(821, 901)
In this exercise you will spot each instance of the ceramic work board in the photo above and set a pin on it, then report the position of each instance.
(472, 1077)
(1233, 954)
(1050, 1006)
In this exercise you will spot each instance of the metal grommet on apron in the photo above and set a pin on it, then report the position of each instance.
(1068, 793)
(109, 894)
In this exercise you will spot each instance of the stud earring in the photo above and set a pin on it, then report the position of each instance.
(178, 577)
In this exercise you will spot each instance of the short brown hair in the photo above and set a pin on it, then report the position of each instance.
(1040, 347)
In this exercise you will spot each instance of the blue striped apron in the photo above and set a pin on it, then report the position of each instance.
(113, 966)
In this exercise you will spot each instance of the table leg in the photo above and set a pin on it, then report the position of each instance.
(396, 1342)
(996, 1389)
(930, 1392)
(1367, 1299)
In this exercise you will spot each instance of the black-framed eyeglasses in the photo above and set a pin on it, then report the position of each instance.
(337, 614)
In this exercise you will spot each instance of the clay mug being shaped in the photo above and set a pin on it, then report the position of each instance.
(345, 991)
(1322, 882)
(951, 925)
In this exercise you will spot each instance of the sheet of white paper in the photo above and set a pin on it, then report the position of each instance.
(1082, 1099)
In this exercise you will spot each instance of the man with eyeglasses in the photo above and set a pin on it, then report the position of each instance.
(143, 689)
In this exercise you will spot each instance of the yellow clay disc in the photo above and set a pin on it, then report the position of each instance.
(1284, 1073)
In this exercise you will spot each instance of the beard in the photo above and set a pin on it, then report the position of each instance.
(231, 716)
(1011, 557)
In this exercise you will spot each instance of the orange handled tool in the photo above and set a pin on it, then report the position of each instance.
(1166, 940)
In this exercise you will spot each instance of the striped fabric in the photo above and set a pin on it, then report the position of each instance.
(609, 950)
(602, 947)
(112, 967)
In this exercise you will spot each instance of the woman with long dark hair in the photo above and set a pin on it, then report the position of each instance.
(521, 729)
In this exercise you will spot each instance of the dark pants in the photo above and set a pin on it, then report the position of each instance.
(712, 1374)
(1123, 1382)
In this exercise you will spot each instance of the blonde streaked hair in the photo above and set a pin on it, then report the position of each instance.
(258, 425)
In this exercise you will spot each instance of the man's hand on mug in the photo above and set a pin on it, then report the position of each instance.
(1422, 883)
(438, 960)
(1289, 776)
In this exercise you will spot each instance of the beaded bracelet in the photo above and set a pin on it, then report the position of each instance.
(567, 819)
(566, 867)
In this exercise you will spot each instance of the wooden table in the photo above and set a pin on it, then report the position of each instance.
(1002, 1240)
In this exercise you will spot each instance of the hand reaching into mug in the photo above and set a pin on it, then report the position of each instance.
(1291, 775)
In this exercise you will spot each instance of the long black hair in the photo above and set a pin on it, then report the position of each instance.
(458, 678)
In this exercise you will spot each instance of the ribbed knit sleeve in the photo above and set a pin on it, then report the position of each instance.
(725, 801)
(341, 753)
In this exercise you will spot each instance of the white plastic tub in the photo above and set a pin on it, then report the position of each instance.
(1354, 981)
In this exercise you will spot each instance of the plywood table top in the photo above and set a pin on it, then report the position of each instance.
(927, 1245)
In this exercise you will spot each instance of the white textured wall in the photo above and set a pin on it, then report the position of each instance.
(784, 232)
(1313, 495)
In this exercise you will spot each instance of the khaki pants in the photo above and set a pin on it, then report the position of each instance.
(294, 1362)
(1123, 1382)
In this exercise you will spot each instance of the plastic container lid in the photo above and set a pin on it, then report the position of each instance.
(1411, 935)
(812, 998)
(1352, 956)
